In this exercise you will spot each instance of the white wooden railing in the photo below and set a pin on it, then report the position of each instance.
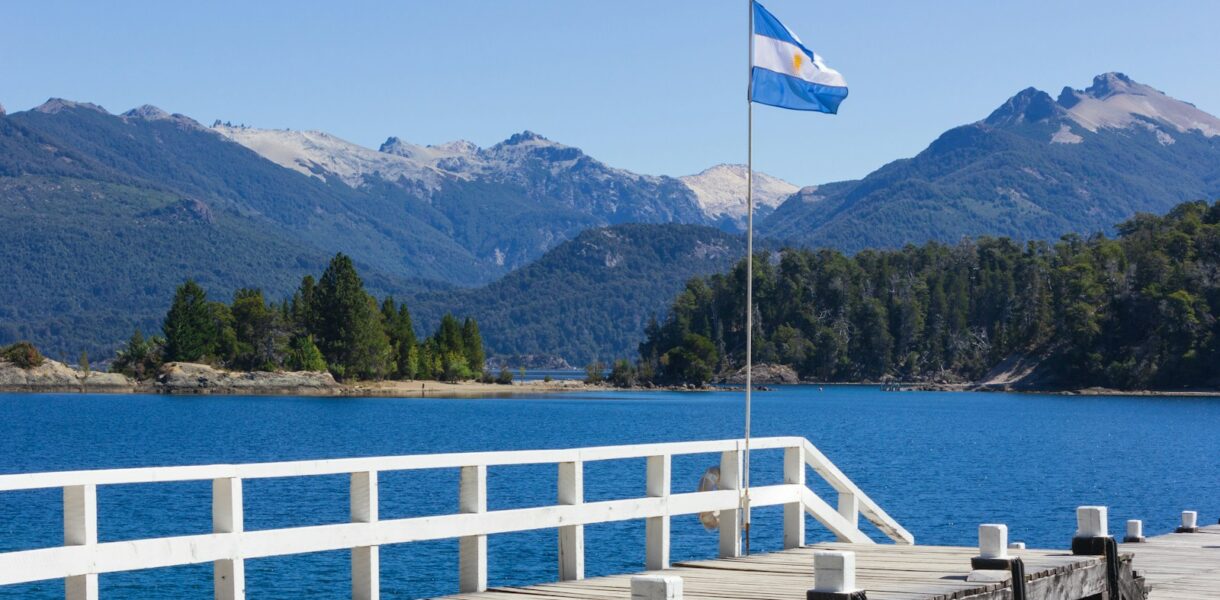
(83, 557)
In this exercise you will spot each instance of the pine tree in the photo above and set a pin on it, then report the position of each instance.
(401, 332)
(305, 356)
(303, 305)
(472, 341)
(190, 327)
(348, 325)
(257, 331)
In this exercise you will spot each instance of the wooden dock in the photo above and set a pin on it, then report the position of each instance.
(1180, 566)
(885, 572)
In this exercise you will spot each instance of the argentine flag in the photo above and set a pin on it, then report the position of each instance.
(786, 74)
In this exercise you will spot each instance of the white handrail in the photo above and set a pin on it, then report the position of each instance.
(82, 557)
(304, 468)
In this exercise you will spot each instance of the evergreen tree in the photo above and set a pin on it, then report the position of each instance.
(257, 331)
(305, 356)
(348, 325)
(303, 305)
(190, 325)
(401, 333)
(472, 343)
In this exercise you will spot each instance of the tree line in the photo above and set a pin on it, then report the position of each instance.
(329, 324)
(1136, 311)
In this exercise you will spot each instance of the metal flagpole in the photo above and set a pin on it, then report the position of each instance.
(745, 499)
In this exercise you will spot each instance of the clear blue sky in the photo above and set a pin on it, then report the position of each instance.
(656, 87)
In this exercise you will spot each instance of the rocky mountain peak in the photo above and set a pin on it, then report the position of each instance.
(458, 147)
(721, 191)
(392, 145)
(147, 112)
(1114, 100)
(1030, 105)
(1108, 84)
(1068, 97)
(524, 137)
(55, 105)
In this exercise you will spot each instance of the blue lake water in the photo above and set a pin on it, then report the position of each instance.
(939, 463)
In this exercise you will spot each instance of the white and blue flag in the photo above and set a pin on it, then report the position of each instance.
(787, 74)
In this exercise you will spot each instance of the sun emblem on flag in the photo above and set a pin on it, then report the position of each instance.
(796, 62)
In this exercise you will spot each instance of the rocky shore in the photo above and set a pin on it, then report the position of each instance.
(52, 376)
(198, 379)
(763, 374)
(190, 378)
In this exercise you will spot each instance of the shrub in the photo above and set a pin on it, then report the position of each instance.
(505, 377)
(623, 374)
(141, 358)
(595, 372)
(23, 354)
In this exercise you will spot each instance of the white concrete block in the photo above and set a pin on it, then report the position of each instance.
(1016, 545)
(656, 587)
(1190, 519)
(1092, 521)
(834, 572)
(993, 541)
(1135, 529)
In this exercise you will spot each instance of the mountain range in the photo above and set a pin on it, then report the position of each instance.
(1036, 168)
(104, 214)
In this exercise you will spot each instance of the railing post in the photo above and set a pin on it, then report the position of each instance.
(730, 521)
(656, 529)
(366, 560)
(472, 550)
(228, 575)
(80, 529)
(571, 537)
(794, 513)
(849, 508)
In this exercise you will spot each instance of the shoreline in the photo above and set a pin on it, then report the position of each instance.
(382, 389)
(475, 389)
(186, 379)
(1089, 391)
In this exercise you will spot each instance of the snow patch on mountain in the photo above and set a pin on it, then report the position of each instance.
(322, 155)
(721, 191)
(1116, 101)
(527, 160)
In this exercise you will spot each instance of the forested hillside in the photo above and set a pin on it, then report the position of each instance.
(590, 297)
(1137, 311)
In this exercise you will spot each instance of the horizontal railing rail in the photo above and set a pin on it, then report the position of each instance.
(83, 557)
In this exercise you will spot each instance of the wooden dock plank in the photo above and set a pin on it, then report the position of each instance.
(1180, 566)
(888, 572)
